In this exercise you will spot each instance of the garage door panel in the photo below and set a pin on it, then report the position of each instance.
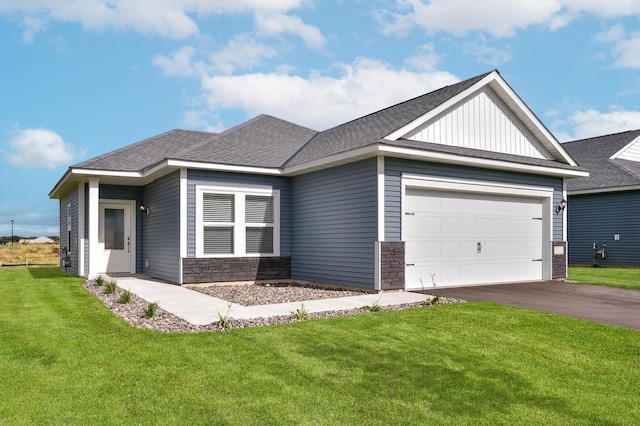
(443, 232)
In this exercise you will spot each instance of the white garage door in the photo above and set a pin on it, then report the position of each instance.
(457, 238)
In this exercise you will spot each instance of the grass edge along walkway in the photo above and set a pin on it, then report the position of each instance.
(65, 358)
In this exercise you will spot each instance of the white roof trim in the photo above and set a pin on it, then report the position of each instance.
(603, 190)
(419, 154)
(511, 100)
(624, 148)
(219, 167)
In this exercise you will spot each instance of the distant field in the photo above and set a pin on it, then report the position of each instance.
(27, 254)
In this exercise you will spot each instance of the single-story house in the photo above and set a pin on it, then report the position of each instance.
(39, 240)
(460, 186)
(602, 208)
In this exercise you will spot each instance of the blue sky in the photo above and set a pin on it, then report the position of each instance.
(81, 78)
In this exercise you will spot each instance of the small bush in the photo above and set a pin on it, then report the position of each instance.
(99, 281)
(125, 297)
(225, 321)
(150, 310)
(110, 287)
(374, 307)
(300, 313)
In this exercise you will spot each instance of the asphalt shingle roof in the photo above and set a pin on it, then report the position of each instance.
(371, 128)
(266, 141)
(143, 154)
(594, 155)
(263, 141)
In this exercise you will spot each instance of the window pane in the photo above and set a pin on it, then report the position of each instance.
(260, 240)
(258, 209)
(218, 207)
(218, 240)
(114, 229)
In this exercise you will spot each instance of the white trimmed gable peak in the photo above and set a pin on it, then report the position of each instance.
(488, 116)
(630, 152)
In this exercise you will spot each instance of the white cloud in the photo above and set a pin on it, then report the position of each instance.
(32, 25)
(275, 23)
(38, 148)
(500, 18)
(320, 101)
(170, 18)
(486, 53)
(625, 47)
(242, 52)
(497, 17)
(591, 122)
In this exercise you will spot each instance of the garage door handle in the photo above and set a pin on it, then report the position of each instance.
(410, 264)
(536, 260)
(479, 247)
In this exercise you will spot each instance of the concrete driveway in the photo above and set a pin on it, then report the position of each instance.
(606, 305)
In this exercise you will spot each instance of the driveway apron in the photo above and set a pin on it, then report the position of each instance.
(606, 305)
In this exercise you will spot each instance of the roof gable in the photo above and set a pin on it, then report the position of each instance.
(375, 126)
(503, 97)
(630, 152)
(481, 121)
(601, 156)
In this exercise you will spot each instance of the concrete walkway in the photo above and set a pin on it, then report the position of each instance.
(200, 309)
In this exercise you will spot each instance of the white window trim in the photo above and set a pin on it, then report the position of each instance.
(240, 226)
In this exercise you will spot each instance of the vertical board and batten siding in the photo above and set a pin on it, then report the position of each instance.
(161, 228)
(72, 200)
(133, 193)
(596, 218)
(394, 168)
(335, 225)
(481, 123)
(208, 178)
(632, 153)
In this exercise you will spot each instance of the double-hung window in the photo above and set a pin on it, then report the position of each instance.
(237, 222)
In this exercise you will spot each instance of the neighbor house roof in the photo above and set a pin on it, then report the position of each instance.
(607, 172)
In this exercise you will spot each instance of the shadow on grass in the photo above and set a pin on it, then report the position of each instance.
(45, 272)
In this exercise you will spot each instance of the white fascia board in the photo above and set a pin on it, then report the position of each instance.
(440, 157)
(510, 98)
(333, 160)
(603, 190)
(60, 183)
(403, 131)
(624, 148)
(218, 167)
(524, 113)
(106, 173)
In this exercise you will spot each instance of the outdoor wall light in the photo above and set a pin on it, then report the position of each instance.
(144, 209)
(560, 207)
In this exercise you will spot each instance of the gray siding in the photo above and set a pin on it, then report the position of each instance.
(117, 192)
(335, 225)
(72, 200)
(161, 228)
(393, 187)
(201, 177)
(595, 218)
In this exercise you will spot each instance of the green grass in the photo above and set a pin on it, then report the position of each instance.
(611, 277)
(66, 359)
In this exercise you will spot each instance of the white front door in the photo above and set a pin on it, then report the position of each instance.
(457, 238)
(116, 237)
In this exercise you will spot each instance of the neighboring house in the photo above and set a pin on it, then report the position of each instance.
(455, 187)
(40, 240)
(603, 208)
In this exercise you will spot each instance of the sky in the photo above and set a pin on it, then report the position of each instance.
(82, 78)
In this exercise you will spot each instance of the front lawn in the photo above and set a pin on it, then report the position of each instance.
(608, 276)
(66, 359)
